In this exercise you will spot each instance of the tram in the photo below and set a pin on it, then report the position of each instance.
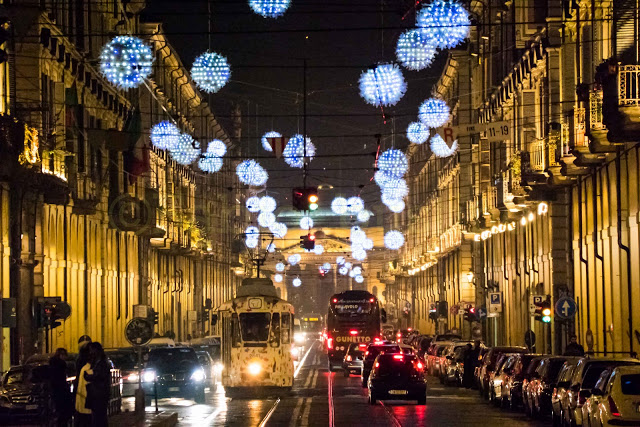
(256, 332)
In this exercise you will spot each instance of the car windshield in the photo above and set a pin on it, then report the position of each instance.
(169, 359)
(255, 326)
(592, 375)
(27, 374)
(395, 365)
(554, 368)
(630, 384)
(123, 359)
(376, 350)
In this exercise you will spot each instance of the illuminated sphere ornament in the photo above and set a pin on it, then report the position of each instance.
(293, 260)
(210, 71)
(165, 135)
(357, 236)
(417, 132)
(269, 8)
(397, 206)
(280, 267)
(367, 244)
(348, 265)
(306, 223)
(252, 231)
(251, 242)
(393, 240)
(343, 270)
(363, 216)
(271, 247)
(251, 173)
(383, 85)
(326, 266)
(355, 204)
(187, 150)
(440, 148)
(340, 260)
(318, 249)
(339, 206)
(388, 198)
(279, 230)
(357, 270)
(414, 50)
(277, 278)
(266, 219)
(267, 204)
(359, 279)
(397, 188)
(126, 61)
(253, 204)
(434, 112)
(265, 140)
(298, 257)
(393, 163)
(444, 22)
(217, 148)
(210, 163)
(294, 151)
(359, 254)
(296, 282)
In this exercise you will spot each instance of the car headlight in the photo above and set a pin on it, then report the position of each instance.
(149, 376)
(295, 351)
(132, 378)
(218, 367)
(254, 368)
(198, 375)
(298, 337)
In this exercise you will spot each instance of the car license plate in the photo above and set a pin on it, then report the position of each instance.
(398, 392)
(32, 407)
(174, 389)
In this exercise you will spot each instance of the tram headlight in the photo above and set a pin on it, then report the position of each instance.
(198, 375)
(149, 376)
(254, 368)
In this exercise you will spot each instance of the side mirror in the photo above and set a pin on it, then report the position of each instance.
(214, 319)
(383, 315)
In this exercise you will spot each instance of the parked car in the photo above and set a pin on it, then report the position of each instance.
(177, 373)
(422, 345)
(207, 363)
(435, 357)
(615, 399)
(560, 390)
(523, 368)
(372, 351)
(496, 381)
(488, 366)
(454, 364)
(126, 359)
(447, 337)
(353, 359)
(397, 376)
(538, 389)
(24, 394)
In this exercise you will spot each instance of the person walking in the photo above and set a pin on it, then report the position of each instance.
(59, 388)
(98, 389)
(573, 348)
(469, 366)
(83, 413)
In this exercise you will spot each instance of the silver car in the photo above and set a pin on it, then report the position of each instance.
(353, 359)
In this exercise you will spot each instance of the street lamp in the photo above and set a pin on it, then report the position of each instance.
(470, 277)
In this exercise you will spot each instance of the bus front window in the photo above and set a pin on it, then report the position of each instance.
(255, 326)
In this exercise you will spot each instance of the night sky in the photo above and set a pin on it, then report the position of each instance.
(266, 59)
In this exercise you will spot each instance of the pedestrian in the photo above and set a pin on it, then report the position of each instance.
(59, 388)
(573, 348)
(469, 367)
(83, 413)
(83, 357)
(99, 385)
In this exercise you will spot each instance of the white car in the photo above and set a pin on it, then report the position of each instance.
(615, 399)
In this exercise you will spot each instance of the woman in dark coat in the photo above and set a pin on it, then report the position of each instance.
(98, 389)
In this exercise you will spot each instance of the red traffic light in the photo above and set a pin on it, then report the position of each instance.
(312, 237)
(472, 310)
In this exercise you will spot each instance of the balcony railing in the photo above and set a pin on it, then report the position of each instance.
(579, 122)
(629, 85)
(536, 151)
(595, 111)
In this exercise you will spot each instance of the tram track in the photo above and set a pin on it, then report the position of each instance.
(394, 420)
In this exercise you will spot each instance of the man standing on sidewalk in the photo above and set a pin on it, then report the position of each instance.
(573, 348)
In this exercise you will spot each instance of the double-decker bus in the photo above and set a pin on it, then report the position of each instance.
(353, 317)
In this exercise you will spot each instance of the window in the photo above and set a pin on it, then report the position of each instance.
(255, 326)
(274, 333)
(286, 328)
(630, 384)
(235, 331)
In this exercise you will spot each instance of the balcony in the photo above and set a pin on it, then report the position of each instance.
(620, 101)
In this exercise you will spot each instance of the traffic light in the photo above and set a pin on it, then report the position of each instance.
(433, 312)
(5, 35)
(305, 199)
(50, 311)
(153, 316)
(543, 310)
(470, 314)
(308, 242)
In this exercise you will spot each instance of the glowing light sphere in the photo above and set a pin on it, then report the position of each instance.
(445, 23)
(363, 216)
(396, 207)
(165, 135)
(271, 247)
(126, 61)
(393, 163)
(326, 266)
(280, 267)
(367, 244)
(293, 259)
(269, 8)
(296, 282)
(217, 148)
(417, 132)
(359, 254)
(359, 279)
(357, 236)
(277, 278)
(383, 85)
(210, 163)
(348, 265)
(355, 204)
(279, 230)
(251, 173)
(268, 204)
(440, 148)
(265, 140)
(210, 71)
(352, 274)
(251, 242)
(387, 198)
(253, 204)
(414, 50)
(393, 240)
(318, 249)
(397, 188)
(357, 270)
(434, 112)
(294, 151)
(266, 219)
(252, 231)
(306, 223)
(339, 206)
(187, 150)
(343, 270)
(340, 260)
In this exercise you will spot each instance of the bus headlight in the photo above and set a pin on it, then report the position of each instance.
(149, 376)
(254, 368)
(198, 375)
(218, 367)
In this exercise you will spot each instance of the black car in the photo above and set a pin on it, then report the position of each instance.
(24, 395)
(352, 363)
(175, 372)
(373, 350)
(126, 359)
(397, 376)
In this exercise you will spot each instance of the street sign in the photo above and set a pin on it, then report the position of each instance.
(455, 309)
(138, 331)
(277, 145)
(481, 312)
(566, 308)
(534, 301)
(470, 129)
(498, 131)
(495, 302)
(448, 134)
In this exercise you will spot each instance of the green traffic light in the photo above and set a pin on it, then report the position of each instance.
(546, 319)
(313, 206)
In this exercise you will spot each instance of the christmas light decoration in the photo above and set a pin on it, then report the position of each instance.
(251, 242)
(387, 198)
(339, 205)
(340, 260)
(265, 140)
(396, 187)
(393, 240)
(383, 85)
(352, 274)
(253, 204)
(217, 148)
(393, 163)
(266, 219)
(357, 235)
(367, 244)
(280, 267)
(357, 270)
(277, 278)
(294, 151)
(359, 279)
(210, 71)
(165, 135)
(355, 204)
(292, 259)
(210, 163)
(326, 267)
(440, 148)
(318, 249)
(306, 223)
(126, 61)
(397, 206)
(434, 112)
(296, 282)
(348, 265)
(251, 173)
(269, 8)
(363, 216)
(414, 50)
(359, 254)
(343, 270)
(271, 247)
(267, 204)
(444, 22)
(417, 132)
(187, 150)
(279, 230)
(252, 231)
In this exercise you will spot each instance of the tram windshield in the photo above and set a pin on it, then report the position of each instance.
(255, 326)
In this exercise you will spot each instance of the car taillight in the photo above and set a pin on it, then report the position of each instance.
(353, 332)
(399, 334)
(349, 358)
(330, 343)
(377, 339)
(613, 408)
(419, 365)
(377, 364)
(398, 357)
(366, 353)
(362, 346)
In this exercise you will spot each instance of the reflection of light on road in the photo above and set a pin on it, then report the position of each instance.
(295, 374)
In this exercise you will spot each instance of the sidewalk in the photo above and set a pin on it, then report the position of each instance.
(162, 419)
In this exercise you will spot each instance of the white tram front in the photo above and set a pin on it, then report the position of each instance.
(256, 330)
